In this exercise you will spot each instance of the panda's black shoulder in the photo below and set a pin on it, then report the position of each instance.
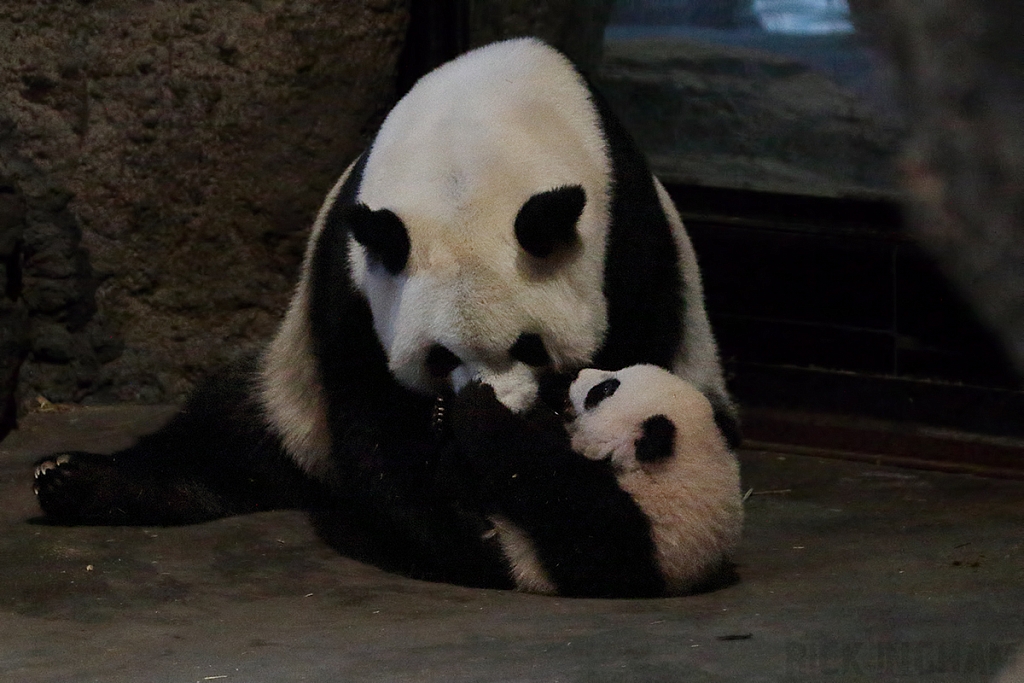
(645, 304)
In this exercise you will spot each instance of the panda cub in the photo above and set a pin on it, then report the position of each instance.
(658, 433)
(644, 499)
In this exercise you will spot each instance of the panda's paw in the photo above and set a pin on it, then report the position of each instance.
(76, 487)
(477, 415)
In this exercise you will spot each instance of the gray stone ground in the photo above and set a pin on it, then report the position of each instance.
(849, 572)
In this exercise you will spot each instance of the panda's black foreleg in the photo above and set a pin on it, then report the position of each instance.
(214, 458)
(590, 536)
(411, 532)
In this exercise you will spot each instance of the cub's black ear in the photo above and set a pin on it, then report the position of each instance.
(547, 221)
(657, 441)
(381, 232)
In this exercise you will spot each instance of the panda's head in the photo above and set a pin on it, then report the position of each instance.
(641, 417)
(479, 233)
(505, 311)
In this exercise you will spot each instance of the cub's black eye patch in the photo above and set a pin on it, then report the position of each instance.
(600, 392)
(529, 349)
(547, 221)
(381, 233)
(440, 361)
(657, 441)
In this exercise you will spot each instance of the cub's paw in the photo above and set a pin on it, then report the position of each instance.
(79, 487)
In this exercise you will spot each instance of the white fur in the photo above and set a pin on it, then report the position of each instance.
(527, 570)
(290, 390)
(456, 159)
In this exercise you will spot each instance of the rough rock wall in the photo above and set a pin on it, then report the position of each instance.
(160, 163)
(961, 69)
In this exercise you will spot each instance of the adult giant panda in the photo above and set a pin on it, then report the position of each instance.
(501, 227)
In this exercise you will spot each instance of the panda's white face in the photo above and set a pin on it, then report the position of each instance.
(458, 312)
(499, 173)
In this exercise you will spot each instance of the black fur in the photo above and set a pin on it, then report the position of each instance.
(547, 221)
(529, 348)
(643, 284)
(657, 441)
(642, 281)
(382, 233)
(440, 361)
(728, 424)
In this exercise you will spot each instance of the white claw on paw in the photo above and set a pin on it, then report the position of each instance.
(63, 459)
(35, 489)
(44, 467)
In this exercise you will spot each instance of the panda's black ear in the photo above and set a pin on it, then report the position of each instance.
(381, 233)
(547, 221)
(657, 441)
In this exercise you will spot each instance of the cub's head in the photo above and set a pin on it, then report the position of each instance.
(502, 294)
(641, 417)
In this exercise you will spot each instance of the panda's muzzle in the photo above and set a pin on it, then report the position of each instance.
(526, 374)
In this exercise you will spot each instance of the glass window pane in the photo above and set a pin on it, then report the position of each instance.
(774, 95)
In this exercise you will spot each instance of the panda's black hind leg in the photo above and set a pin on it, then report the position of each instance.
(89, 488)
(216, 457)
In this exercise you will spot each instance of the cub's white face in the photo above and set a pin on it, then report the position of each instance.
(611, 409)
(505, 137)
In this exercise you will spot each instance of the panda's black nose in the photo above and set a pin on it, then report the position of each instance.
(440, 361)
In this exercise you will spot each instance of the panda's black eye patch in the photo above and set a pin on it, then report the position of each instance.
(529, 349)
(440, 361)
(547, 221)
(600, 392)
(382, 234)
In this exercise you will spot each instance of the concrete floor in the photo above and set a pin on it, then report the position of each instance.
(849, 572)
